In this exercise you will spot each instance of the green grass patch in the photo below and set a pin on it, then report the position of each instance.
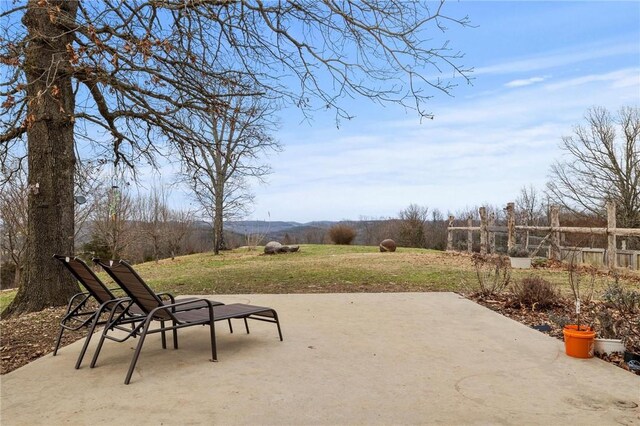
(6, 297)
(324, 269)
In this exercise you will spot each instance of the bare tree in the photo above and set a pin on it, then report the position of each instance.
(71, 66)
(178, 230)
(88, 184)
(223, 149)
(373, 231)
(529, 209)
(151, 216)
(413, 220)
(602, 162)
(112, 222)
(13, 222)
(436, 231)
(14, 211)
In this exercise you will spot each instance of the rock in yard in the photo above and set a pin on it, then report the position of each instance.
(387, 245)
(272, 247)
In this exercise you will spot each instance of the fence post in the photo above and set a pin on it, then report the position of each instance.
(469, 235)
(483, 230)
(554, 212)
(511, 226)
(492, 234)
(611, 235)
(450, 234)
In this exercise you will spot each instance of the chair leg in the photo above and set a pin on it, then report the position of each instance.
(99, 347)
(164, 337)
(175, 335)
(275, 317)
(137, 352)
(214, 350)
(230, 327)
(87, 339)
(55, 350)
(246, 324)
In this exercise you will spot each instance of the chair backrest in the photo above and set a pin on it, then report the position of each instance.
(87, 278)
(135, 287)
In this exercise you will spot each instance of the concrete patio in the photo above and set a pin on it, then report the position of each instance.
(395, 358)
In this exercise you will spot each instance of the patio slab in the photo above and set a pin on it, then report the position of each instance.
(392, 358)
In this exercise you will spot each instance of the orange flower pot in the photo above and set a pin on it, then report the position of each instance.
(578, 343)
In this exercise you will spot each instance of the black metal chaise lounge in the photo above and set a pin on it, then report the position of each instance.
(82, 312)
(156, 310)
(79, 313)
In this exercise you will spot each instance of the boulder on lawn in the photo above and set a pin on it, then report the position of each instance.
(388, 245)
(288, 249)
(272, 247)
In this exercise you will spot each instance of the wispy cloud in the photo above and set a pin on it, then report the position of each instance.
(560, 58)
(627, 77)
(476, 151)
(525, 82)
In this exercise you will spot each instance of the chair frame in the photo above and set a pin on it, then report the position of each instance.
(90, 318)
(104, 296)
(204, 312)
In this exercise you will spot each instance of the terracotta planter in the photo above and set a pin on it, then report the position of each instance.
(520, 262)
(608, 346)
(578, 343)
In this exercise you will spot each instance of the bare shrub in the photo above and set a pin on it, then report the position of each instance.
(534, 293)
(413, 220)
(342, 234)
(581, 296)
(621, 313)
(493, 274)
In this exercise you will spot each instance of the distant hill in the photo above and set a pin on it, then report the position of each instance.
(272, 227)
(286, 232)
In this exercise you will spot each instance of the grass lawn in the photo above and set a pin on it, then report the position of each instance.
(322, 269)
(315, 269)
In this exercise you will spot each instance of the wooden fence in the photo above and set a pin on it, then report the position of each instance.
(611, 256)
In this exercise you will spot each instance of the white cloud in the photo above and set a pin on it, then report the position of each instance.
(561, 58)
(619, 79)
(525, 82)
(478, 150)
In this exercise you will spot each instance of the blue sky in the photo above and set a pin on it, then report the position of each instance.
(538, 67)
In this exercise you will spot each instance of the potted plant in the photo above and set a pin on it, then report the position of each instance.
(610, 333)
(519, 258)
(578, 338)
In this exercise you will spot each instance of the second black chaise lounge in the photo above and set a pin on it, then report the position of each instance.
(88, 309)
(156, 310)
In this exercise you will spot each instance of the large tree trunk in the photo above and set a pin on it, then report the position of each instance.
(51, 160)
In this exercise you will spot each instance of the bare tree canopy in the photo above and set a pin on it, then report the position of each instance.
(107, 78)
(602, 163)
(13, 223)
(529, 206)
(413, 220)
(222, 148)
(133, 63)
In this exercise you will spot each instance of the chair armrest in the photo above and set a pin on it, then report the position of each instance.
(206, 304)
(84, 294)
(165, 293)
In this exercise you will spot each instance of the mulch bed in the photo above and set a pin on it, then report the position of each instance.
(28, 337)
(564, 308)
